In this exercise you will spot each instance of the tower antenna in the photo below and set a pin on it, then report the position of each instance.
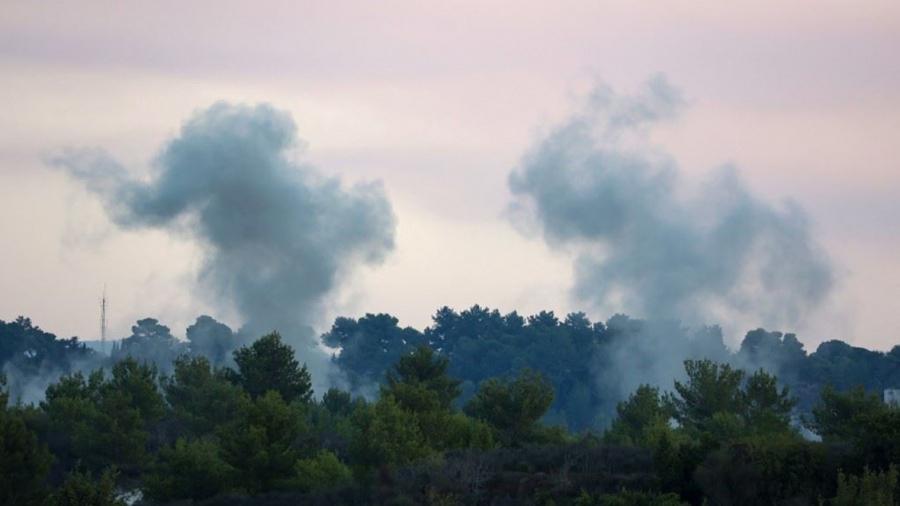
(103, 321)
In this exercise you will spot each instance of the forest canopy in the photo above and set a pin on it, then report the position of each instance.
(591, 365)
(479, 408)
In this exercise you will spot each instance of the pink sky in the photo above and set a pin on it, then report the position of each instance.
(439, 100)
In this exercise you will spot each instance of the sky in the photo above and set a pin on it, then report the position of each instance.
(440, 102)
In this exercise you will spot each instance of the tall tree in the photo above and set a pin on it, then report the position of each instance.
(33, 358)
(861, 420)
(638, 417)
(190, 469)
(269, 365)
(211, 339)
(24, 462)
(869, 489)
(711, 389)
(103, 421)
(767, 409)
(387, 435)
(262, 443)
(370, 346)
(837, 415)
(419, 381)
(202, 398)
(512, 407)
(82, 489)
(150, 341)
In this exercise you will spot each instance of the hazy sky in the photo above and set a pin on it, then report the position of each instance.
(439, 100)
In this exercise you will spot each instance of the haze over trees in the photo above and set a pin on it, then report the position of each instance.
(594, 365)
(591, 365)
(480, 408)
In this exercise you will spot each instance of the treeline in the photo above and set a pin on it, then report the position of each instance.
(255, 433)
(594, 365)
(591, 365)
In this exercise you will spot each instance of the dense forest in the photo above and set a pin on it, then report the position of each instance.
(479, 408)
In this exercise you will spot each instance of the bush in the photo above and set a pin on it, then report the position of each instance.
(80, 489)
(324, 471)
(189, 470)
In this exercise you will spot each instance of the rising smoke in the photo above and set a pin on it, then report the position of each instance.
(649, 246)
(277, 234)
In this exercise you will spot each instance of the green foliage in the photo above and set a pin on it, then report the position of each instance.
(675, 458)
(420, 385)
(780, 353)
(445, 430)
(869, 489)
(216, 431)
(135, 386)
(191, 469)
(877, 441)
(844, 366)
(716, 404)
(370, 346)
(419, 382)
(322, 471)
(73, 410)
(80, 489)
(766, 470)
(262, 443)
(269, 365)
(483, 343)
(767, 410)
(722, 427)
(716, 409)
(331, 422)
(105, 422)
(861, 420)
(150, 341)
(586, 361)
(838, 414)
(33, 356)
(583, 360)
(338, 402)
(710, 388)
(202, 399)
(583, 499)
(24, 461)
(640, 419)
(211, 339)
(387, 435)
(512, 407)
(465, 432)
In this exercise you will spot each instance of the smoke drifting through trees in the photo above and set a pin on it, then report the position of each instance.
(31, 359)
(253, 433)
(589, 364)
(648, 245)
(278, 235)
(594, 184)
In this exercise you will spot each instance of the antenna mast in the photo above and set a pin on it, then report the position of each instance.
(103, 321)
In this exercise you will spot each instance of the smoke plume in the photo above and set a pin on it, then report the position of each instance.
(649, 245)
(277, 234)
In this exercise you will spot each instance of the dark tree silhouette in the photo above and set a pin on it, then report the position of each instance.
(269, 365)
